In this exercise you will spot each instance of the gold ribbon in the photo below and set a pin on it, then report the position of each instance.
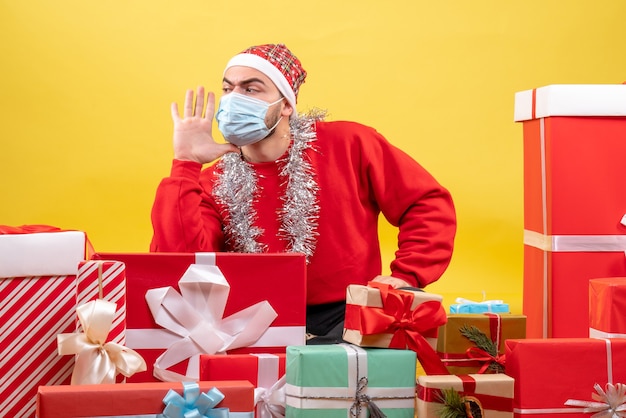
(607, 403)
(98, 361)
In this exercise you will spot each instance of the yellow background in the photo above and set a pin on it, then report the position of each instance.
(86, 88)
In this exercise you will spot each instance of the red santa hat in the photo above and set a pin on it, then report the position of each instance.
(278, 63)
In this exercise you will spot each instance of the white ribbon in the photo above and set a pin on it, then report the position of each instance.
(575, 243)
(607, 403)
(271, 401)
(96, 361)
(195, 317)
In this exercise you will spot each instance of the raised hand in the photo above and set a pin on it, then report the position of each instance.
(193, 134)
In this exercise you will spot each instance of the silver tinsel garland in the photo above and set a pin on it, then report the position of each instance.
(236, 189)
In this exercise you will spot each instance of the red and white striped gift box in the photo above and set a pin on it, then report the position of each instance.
(35, 308)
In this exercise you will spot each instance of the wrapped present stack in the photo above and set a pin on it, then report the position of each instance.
(473, 343)
(574, 200)
(572, 362)
(38, 292)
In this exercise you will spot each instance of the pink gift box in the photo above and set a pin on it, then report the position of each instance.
(573, 217)
(36, 306)
(279, 279)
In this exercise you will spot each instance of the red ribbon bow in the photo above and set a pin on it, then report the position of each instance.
(480, 355)
(407, 325)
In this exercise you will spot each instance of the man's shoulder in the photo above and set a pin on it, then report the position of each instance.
(344, 127)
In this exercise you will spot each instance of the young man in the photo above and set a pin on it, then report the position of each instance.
(296, 183)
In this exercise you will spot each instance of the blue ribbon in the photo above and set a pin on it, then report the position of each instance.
(193, 403)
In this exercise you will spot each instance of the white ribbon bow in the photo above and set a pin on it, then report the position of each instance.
(609, 403)
(97, 361)
(195, 316)
(272, 401)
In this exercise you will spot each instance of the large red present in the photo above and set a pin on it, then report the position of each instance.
(574, 200)
(38, 294)
(264, 371)
(145, 399)
(607, 307)
(279, 279)
(550, 372)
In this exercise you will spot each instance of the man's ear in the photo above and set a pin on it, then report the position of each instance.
(287, 109)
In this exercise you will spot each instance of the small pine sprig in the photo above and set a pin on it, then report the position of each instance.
(483, 342)
(453, 404)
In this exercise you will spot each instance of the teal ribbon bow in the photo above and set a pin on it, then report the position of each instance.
(193, 403)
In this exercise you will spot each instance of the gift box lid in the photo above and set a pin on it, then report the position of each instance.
(42, 253)
(570, 100)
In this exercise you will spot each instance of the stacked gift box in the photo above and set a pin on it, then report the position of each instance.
(38, 293)
(574, 200)
(574, 241)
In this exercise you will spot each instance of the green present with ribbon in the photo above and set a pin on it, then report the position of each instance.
(345, 380)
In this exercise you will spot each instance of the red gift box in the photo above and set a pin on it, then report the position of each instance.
(262, 370)
(607, 307)
(35, 308)
(133, 399)
(549, 372)
(573, 200)
(279, 279)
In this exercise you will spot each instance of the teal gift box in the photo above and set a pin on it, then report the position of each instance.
(465, 306)
(341, 380)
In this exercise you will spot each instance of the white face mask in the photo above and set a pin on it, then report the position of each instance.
(241, 119)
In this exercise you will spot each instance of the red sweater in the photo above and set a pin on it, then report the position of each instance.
(359, 175)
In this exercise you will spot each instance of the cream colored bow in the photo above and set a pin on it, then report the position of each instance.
(609, 402)
(98, 361)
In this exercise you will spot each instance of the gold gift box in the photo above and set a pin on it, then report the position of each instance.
(452, 346)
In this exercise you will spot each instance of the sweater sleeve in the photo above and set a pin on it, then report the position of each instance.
(184, 219)
(411, 199)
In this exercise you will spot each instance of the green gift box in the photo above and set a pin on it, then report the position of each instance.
(341, 380)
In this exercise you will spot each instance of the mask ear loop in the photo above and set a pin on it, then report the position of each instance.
(271, 130)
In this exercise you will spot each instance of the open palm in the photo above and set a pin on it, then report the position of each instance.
(193, 133)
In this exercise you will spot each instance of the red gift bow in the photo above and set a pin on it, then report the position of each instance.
(406, 325)
(480, 355)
